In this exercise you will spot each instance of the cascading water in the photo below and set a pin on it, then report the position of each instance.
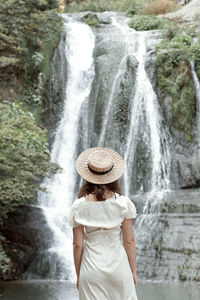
(76, 45)
(146, 144)
(114, 88)
(116, 107)
(145, 129)
(197, 91)
(145, 113)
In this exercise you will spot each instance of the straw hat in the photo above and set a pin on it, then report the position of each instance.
(100, 165)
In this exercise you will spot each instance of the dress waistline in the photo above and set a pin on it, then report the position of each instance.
(104, 233)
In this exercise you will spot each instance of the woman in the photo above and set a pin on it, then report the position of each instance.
(103, 241)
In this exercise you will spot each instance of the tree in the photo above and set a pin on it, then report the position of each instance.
(24, 157)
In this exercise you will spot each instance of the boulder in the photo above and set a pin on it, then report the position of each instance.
(168, 242)
(26, 232)
(188, 13)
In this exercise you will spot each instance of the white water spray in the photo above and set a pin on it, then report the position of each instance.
(145, 109)
(197, 91)
(78, 51)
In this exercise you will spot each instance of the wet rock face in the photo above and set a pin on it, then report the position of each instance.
(26, 233)
(168, 241)
(189, 12)
(185, 165)
(115, 74)
(55, 90)
(111, 84)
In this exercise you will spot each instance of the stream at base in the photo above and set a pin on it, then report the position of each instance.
(65, 290)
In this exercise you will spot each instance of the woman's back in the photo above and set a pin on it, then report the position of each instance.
(107, 214)
(103, 241)
(105, 271)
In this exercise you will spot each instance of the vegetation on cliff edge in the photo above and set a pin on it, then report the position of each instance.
(144, 22)
(129, 6)
(29, 32)
(24, 158)
(174, 54)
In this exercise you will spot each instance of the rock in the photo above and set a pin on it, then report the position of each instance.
(20, 257)
(55, 90)
(185, 166)
(169, 241)
(91, 19)
(26, 232)
(111, 84)
(104, 18)
(189, 12)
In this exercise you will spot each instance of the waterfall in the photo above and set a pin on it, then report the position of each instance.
(145, 141)
(116, 106)
(145, 112)
(76, 47)
(114, 88)
(145, 129)
(197, 91)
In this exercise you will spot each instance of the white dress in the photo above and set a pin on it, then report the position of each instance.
(105, 273)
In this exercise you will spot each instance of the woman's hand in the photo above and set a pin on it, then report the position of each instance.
(135, 278)
(77, 283)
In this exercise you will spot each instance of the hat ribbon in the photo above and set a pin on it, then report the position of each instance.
(100, 173)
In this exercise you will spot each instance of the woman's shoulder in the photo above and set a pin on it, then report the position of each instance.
(128, 204)
(78, 201)
(122, 198)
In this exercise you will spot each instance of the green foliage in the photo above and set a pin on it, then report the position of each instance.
(179, 40)
(29, 33)
(91, 20)
(4, 259)
(142, 22)
(195, 49)
(24, 157)
(106, 5)
(131, 12)
(174, 79)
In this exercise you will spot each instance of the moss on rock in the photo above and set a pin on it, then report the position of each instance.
(175, 80)
(144, 22)
(196, 55)
(91, 19)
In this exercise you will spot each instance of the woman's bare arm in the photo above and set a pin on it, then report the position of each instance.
(78, 245)
(129, 245)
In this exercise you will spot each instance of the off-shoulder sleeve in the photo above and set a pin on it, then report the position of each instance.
(71, 217)
(130, 210)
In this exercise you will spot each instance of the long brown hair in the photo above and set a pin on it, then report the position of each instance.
(98, 190)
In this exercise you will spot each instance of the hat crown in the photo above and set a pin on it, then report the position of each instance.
(100, 161)
(100, 165)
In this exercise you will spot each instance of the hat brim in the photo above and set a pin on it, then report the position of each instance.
(88, 175)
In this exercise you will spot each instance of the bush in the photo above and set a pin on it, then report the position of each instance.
(106, 5)
(174, 79)
(142, 22)
(195, 49)
(28, 32)
(158, 7)
(91, 19)
(180, 41)
(24, 157)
